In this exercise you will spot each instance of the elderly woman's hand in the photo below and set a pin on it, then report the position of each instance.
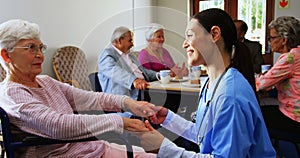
(140, 108)
(179, 71)
(134, 125)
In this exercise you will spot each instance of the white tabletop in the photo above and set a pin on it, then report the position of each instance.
(177, 86)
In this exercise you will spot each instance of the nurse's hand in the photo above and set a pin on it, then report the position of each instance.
(151, 140)
(160, 116)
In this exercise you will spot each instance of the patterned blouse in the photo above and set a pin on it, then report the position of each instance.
(48, 111)
(285, 76)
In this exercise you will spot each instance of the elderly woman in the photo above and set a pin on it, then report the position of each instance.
(284, 75)
(155, 56)
(40, 105)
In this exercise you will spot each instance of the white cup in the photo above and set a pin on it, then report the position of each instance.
(265, 68)
(196, 70)
(163, 76)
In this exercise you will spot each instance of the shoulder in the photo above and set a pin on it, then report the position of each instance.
(295, 50)
(143, 51)
(254, 43)
(290, 57)
(108, 52)
(235, 81)
(165, 50)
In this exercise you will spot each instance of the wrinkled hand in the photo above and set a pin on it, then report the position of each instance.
(134, 125)
(184, 70)
(151, 140)
(179, 71)
(161, 114)
(140, 84)
(140, 108)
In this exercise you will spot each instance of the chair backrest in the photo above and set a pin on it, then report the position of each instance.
(70, 65)
(95, 82)
(2, 73)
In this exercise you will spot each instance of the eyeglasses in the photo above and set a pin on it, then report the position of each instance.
(32, 48)
(270, 38)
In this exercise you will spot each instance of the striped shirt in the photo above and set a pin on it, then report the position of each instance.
(48, 112)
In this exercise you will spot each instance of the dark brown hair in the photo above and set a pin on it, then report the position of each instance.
(242, 58)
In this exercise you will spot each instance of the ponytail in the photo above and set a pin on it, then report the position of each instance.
(241, 60)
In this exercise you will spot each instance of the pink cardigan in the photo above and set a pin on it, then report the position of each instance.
(48, 112)
(152, 63)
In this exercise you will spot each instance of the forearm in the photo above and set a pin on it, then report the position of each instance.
(180, 126)
(88, 100)
(40, 119)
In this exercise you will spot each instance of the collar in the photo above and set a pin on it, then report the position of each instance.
(120, 52)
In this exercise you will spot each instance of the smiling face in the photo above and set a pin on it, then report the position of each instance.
(158, 39)
(125, 43)
(198, 44)
(24, 62)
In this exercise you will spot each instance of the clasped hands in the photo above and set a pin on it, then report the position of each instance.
(151, 139)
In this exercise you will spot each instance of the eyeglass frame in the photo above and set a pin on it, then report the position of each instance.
(270, 38)
(33, 48)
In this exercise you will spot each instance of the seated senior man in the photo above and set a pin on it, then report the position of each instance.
(119, 71)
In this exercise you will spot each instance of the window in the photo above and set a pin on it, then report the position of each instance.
(256, 13)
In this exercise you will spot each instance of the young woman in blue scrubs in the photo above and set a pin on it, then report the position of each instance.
(229, 123)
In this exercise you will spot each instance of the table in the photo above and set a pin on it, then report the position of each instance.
(175, 96)
(268, 97)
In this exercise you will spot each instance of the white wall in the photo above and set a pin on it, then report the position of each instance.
(84, 23)
(293, 9)
(89, 23)
(173, 15)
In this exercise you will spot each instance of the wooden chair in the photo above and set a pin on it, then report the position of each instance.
(70, 66)
(10, 143)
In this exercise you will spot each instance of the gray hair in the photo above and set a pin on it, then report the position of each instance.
(12, 31)
(151, 29)
(118, 33)
(287, 27)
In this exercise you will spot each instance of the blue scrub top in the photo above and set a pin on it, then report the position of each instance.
(229, 125)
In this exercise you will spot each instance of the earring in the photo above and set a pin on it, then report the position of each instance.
(233, 52)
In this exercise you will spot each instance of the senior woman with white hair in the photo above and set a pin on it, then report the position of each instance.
(40, 105)
(155, 56)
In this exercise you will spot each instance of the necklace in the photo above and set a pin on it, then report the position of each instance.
(204, 118)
